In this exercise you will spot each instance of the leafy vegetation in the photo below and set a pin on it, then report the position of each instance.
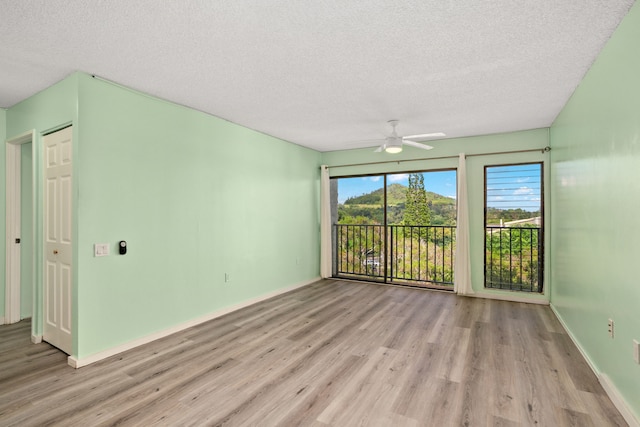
(512, 258)
(417, 210)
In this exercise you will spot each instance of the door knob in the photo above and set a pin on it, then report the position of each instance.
(55, 252)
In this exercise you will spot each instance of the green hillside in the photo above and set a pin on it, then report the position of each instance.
(368, 208)
(396, 195)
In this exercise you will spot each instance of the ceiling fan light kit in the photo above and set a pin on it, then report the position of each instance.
(393, 143)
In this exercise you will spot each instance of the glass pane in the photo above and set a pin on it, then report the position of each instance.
(513, 193)
(513, 221)
(415, 247)
(361, 200)
(359, 229)
(422, 198)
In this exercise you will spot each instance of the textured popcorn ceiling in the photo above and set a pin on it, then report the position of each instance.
(326, 73)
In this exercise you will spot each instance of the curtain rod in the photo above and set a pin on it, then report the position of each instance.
(542, 150)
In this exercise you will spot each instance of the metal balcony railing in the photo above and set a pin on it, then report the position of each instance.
(513, 258)
(401, 254)
(360, 250)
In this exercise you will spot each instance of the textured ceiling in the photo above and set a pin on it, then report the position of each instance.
(326, 74)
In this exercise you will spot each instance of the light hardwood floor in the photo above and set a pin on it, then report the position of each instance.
(332, 353)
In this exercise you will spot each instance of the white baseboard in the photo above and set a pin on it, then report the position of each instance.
(618, 401)
(509, 297)
(36, 339)
(80, 362)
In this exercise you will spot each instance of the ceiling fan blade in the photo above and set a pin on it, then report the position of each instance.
(379, 149)
(423, 136)
(417, 145)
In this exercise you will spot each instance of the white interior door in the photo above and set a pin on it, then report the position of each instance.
(58, 239)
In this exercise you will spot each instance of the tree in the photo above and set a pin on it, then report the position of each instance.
(417, 210)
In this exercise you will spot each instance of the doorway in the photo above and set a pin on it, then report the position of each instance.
(395, 228)
(19, 226)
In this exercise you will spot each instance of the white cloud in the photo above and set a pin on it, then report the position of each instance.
(398, 177)
(523, 190)
(375, 178)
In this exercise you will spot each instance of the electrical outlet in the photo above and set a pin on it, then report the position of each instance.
(611, 328)
(636, 351)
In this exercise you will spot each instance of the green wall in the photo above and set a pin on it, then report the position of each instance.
(533, 139)
(195, 197)
(596, 201)
(3, 136)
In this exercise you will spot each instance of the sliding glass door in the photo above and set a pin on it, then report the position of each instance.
(396, 228)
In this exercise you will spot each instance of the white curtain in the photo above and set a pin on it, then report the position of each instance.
(462, 267)
(325, 223)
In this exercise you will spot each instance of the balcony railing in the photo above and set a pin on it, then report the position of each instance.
(412, 255)
(360, 250)
(424, 255)
(513, 258)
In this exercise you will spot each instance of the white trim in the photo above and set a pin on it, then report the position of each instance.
(510, 298)
(80, 362)
(618, 401)
(326, 262)
(12, 225)
(36, 339)
(12, 231)
(1, 320)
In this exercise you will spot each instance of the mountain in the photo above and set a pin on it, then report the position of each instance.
(367, 209)
(396, 195)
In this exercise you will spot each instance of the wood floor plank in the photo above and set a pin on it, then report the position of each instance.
(507, 403)
(351, 401)
(601, 411)
(333, 353)
(321, 390)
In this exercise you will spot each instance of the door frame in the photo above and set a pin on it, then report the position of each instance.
(13, 224)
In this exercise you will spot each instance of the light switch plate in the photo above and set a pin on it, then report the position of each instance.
(101, 249)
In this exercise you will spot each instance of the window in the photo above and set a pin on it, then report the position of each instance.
(514, 227)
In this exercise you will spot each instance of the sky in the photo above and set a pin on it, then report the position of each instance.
(512, 187)
(508, 187)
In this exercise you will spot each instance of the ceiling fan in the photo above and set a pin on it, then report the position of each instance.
(393, 143)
